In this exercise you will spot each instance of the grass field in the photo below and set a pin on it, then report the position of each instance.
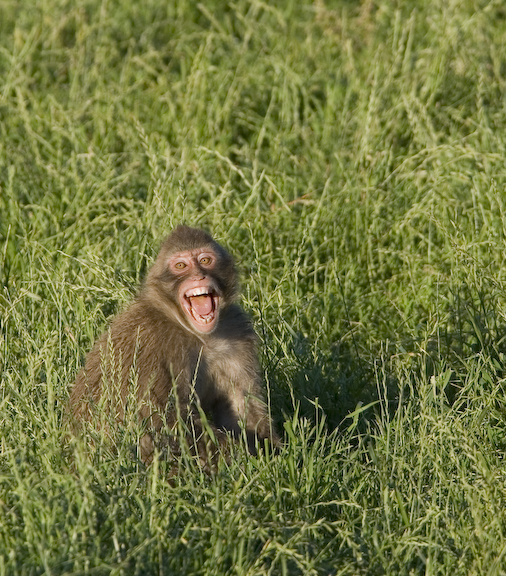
(352, 157)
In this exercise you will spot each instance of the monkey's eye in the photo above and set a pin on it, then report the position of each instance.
(180, 265)
(206, 260)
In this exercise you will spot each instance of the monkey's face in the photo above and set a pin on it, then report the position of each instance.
(199, 293)
(193, 279)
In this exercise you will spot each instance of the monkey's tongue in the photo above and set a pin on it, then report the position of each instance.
(203, 305)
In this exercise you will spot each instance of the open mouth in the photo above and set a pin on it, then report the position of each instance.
(201, 304)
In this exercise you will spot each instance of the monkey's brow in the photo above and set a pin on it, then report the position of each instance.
(191, 253)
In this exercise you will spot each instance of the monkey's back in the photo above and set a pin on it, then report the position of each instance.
(141, 348)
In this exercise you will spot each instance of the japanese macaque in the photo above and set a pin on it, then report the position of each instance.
(184, 339)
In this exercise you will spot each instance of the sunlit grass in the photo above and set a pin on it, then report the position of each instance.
(352, 159)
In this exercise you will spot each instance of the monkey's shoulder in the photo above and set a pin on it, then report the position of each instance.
(143, 326)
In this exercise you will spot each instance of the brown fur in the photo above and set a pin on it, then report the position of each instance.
(153, 344)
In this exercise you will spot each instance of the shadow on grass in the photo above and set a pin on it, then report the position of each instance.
(468, 353)
(336, 380)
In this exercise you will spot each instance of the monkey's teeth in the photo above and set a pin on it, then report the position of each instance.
(197, 292)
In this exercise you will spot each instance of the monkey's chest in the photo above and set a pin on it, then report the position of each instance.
(220, 375)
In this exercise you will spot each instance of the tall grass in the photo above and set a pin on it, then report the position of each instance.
(352, 158)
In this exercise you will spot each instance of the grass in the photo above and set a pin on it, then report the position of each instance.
(352, 158)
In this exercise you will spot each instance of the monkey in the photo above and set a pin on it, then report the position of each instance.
(183, 337)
